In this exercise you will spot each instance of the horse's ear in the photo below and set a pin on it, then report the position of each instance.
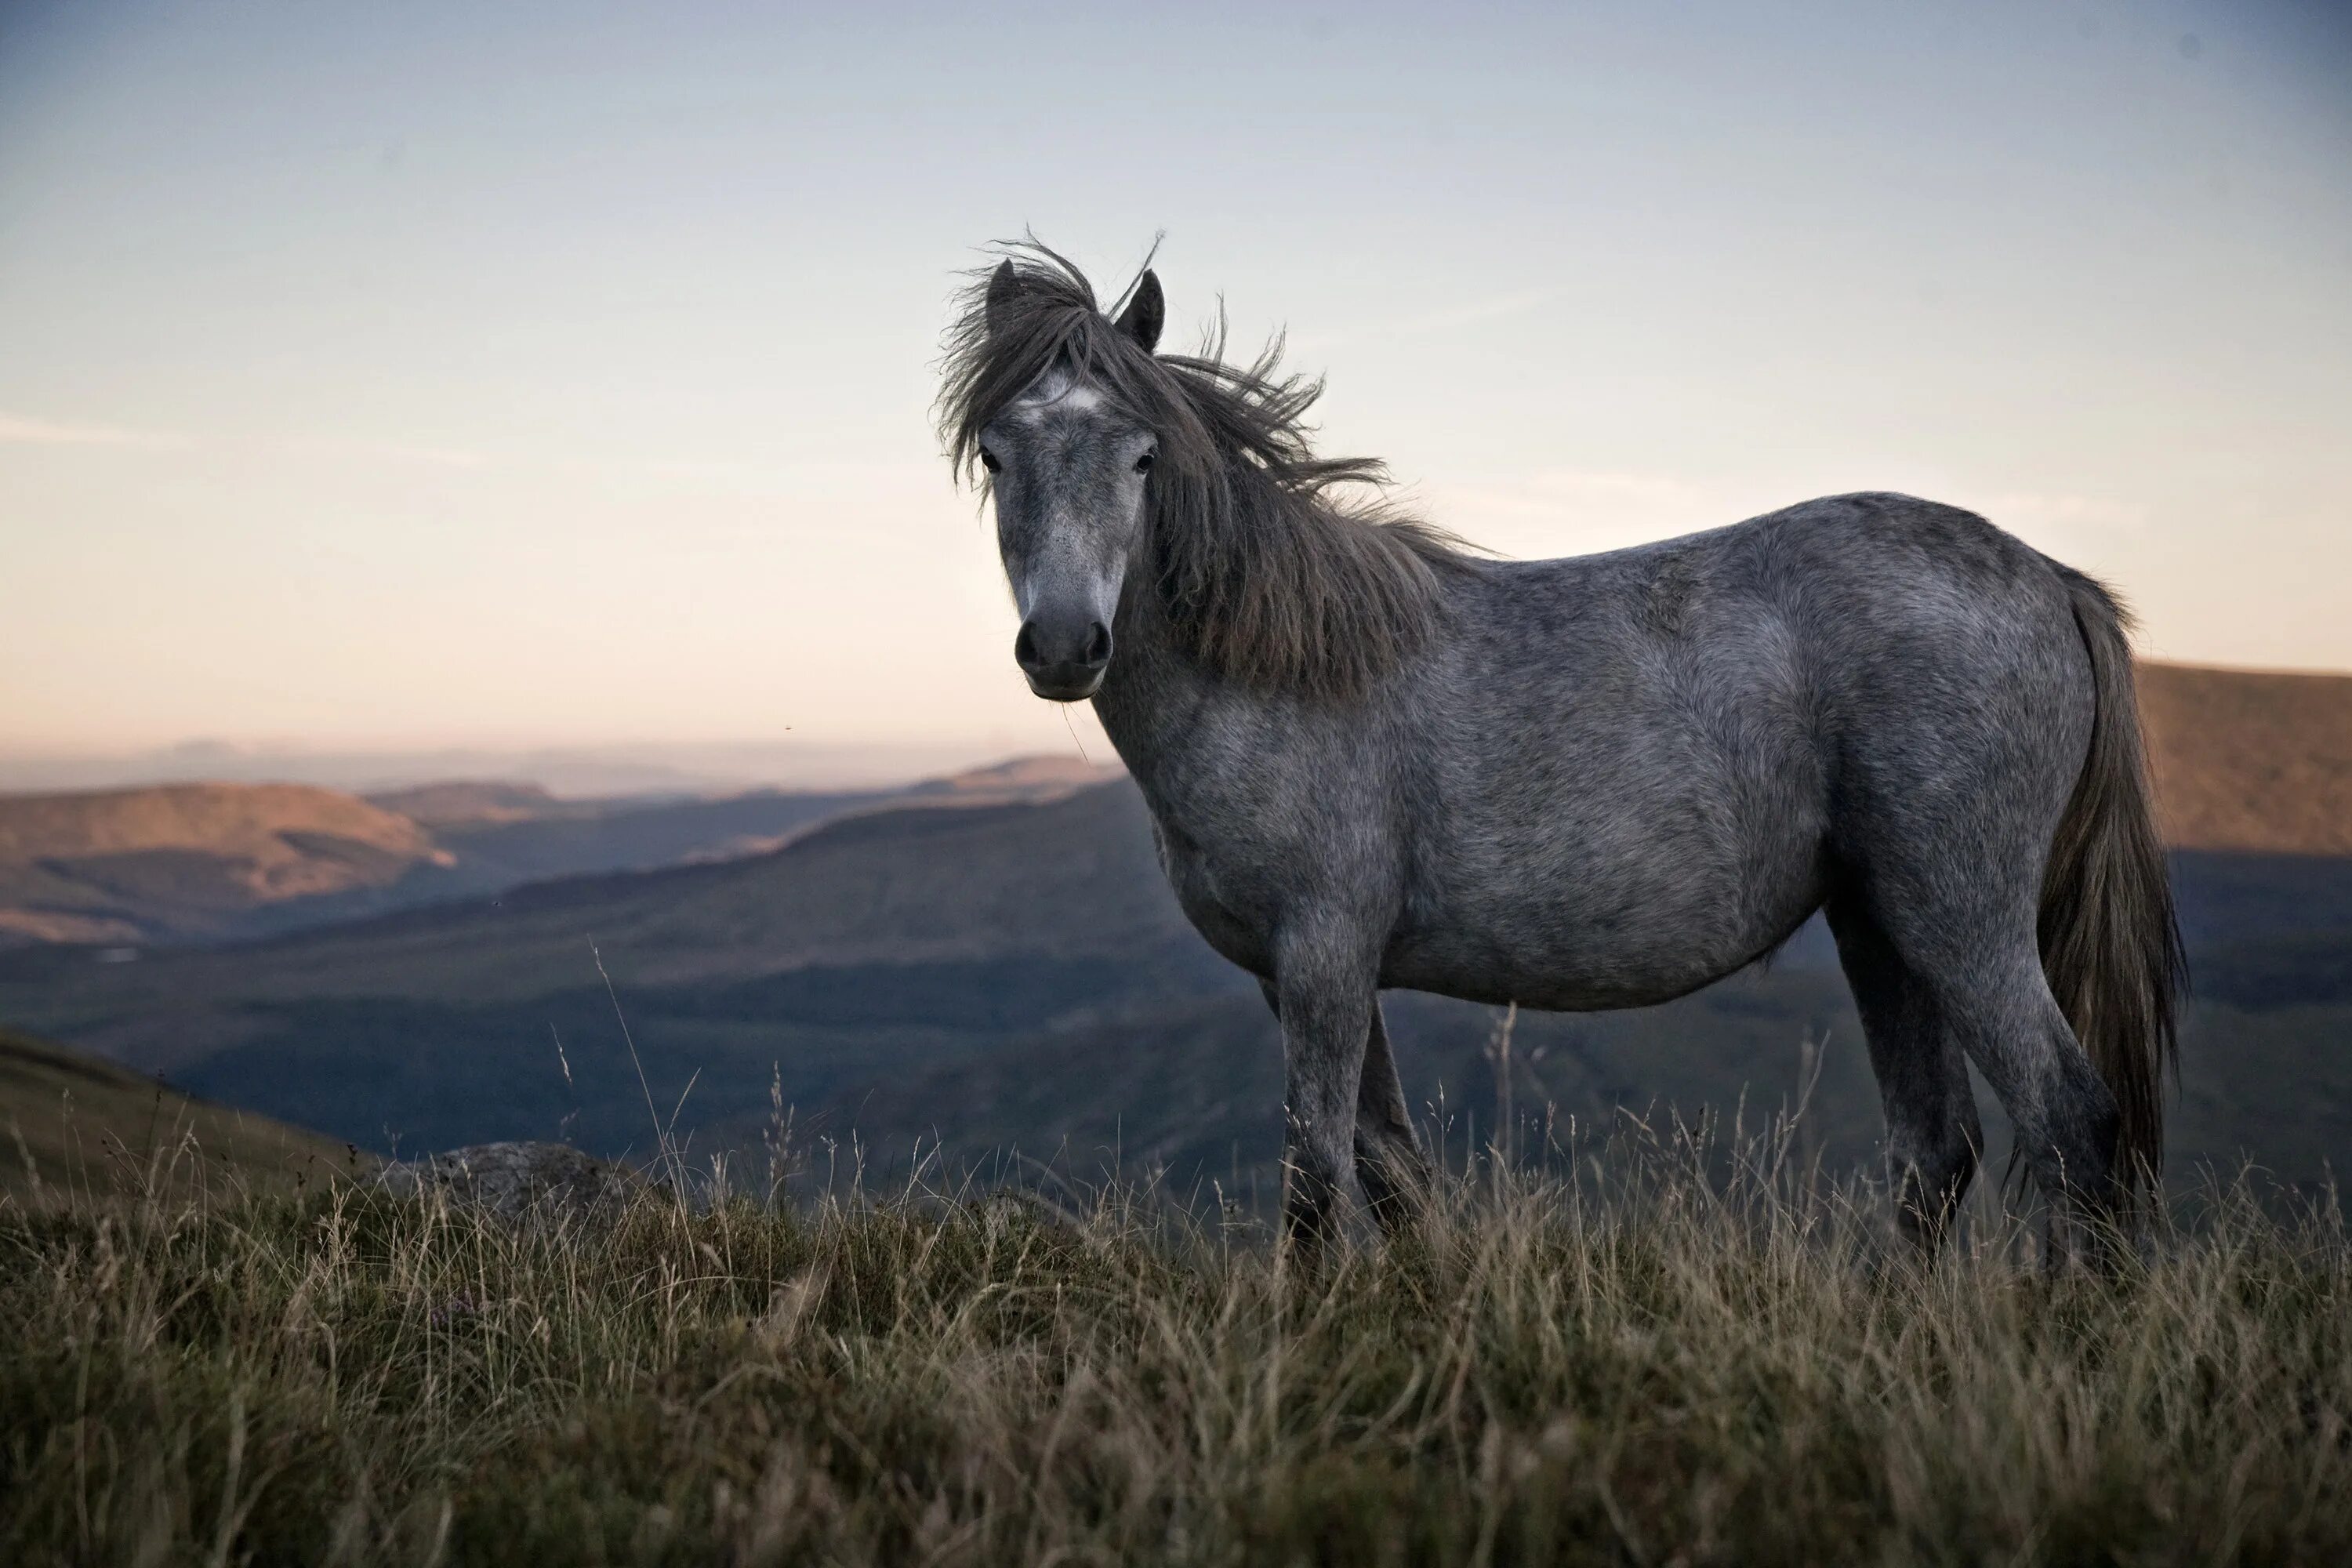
(1003, 289)
(1145, 313)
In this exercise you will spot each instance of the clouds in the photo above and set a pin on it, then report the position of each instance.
(1471, 313)
(23, 430)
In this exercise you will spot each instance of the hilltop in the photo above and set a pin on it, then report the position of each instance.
(190, 859)
(218, 862)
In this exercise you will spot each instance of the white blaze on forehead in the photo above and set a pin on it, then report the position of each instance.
(1056, 389)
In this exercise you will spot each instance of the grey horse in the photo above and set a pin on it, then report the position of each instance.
(1375, 758)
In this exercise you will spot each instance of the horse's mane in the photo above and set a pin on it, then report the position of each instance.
(1278, 568)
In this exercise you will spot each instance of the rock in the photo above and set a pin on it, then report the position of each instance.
(546, 1183)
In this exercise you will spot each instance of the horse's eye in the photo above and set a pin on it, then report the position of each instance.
(988, 460)
(1143, 464)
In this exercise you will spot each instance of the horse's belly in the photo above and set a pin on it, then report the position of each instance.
(1584, 982)
(1564, 955)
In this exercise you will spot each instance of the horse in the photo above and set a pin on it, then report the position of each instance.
(1375, 757)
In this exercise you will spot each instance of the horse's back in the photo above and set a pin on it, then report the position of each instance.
(1804, 626)
(1652, 759)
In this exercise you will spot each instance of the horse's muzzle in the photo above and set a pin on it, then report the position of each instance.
(1064, 661)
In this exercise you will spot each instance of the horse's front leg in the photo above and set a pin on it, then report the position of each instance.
(1391, 1168)
(1323, 993)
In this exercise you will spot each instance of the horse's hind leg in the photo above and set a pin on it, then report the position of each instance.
(1390, 1164)
(1932, 1134)
(2067, 1121)
(1971, 975)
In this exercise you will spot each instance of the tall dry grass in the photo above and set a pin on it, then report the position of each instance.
(1646, 1355)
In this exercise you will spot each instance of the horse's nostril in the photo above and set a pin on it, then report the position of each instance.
(1024, 646)
(1097, 645)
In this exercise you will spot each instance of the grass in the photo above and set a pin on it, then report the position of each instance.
(1627, 1360)
(84, 1120)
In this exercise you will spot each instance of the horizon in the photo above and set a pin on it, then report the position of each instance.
(585, 771)
(616, 768)
(544, 381)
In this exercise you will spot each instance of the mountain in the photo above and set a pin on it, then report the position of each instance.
(565, 838)
(76, 1124)
(477, 802)
(210, 863)
(1022, 778)
(515, 834)
(191, 860)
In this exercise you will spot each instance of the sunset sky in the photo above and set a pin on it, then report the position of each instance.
(381, 375)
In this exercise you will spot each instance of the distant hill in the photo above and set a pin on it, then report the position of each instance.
(524, 842)
(72, 1124)
(571, 838)
(2249, 760)
(190, 859)
(184, 863)
(1033, 779)
(472, 803)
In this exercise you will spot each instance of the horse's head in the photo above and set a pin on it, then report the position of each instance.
(1069, 468)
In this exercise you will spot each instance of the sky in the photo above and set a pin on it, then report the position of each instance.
(495, 377)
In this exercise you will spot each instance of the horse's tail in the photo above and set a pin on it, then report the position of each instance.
(2110, 943)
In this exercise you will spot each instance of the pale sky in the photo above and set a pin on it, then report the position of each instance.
(378, 375)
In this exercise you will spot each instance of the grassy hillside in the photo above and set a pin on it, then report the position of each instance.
(1644, 1366)
(73, 1125)
(2249, 759)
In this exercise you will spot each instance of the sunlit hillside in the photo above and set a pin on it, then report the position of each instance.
(2250, 760)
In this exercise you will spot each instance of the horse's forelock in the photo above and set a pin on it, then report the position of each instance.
(1269, 576)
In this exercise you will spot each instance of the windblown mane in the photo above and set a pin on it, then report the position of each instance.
(1272, 573)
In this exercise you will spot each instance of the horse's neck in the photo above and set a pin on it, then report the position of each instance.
(1151, 695)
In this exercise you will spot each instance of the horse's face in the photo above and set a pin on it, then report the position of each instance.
(1070, 473)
